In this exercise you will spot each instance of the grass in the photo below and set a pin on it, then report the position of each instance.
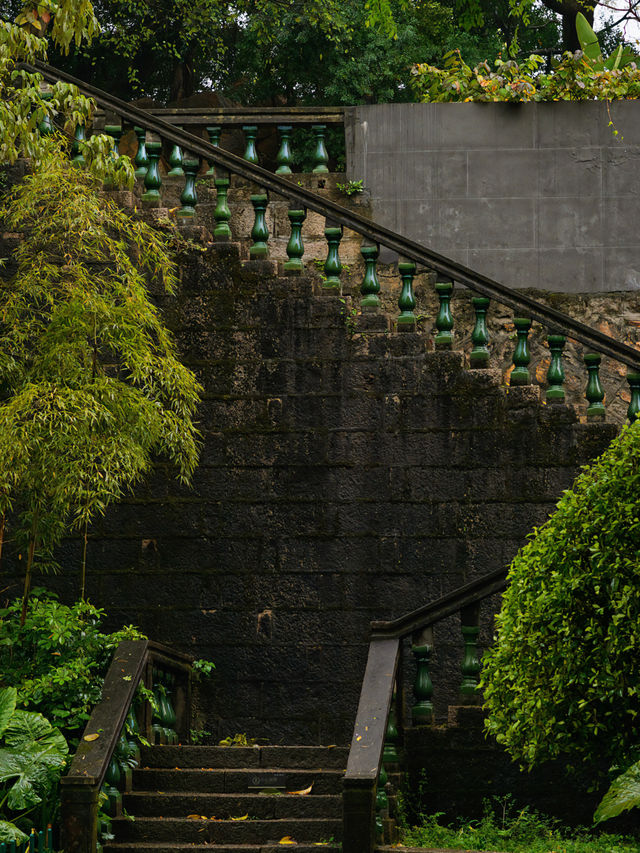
(508, 830)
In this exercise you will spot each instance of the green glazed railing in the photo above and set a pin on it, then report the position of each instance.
(559, 326)
(374, 748)
(108, 750)
(37, 842)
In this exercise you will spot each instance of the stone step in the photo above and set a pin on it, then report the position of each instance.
(263, 806)
(265, 832)
(233, 781)
(281, 757)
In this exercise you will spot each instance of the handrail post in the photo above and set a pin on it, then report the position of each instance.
(79, 814)
(359, 809)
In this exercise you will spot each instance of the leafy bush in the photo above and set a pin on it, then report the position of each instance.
(504, 827)
(33, 755)
(58, 659)
(563, 678)
(573, 79)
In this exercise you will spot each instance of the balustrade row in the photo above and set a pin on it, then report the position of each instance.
(422, 708)
(126, 756)
(37, 842)
(181, 164)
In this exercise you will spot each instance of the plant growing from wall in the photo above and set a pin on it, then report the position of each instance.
(91, 386)
(563, 677)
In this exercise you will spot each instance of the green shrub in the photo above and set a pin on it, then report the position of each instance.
(58, 659)
(33, 755)
(563, 678)
(573, 79)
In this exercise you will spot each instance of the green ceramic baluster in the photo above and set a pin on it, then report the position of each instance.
(479, 357)
(259, 232)
(521, 356)
(141, 161)
(122, 756)
(594, 392)
(157, 729)
(113, 779)
(633, 411)
(382, 801)
(406, 302)
(332, 266)
(115, 132)
(79, 136)
(295, 246)
(470, 663)
(175, 162)
(284, 158)
(422, 711)
(133, 730)
(222, 214)
(370, 287)
(444, 320)
(152, 180)
(555, 374)
(189, 196)
(392, 738)
(321, 156)
(250, 152)
(214, 132)
(45, 126)
(168, 714)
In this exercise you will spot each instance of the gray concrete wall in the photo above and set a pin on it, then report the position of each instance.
(534, 195)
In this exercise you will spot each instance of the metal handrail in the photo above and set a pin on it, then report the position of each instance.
(557, 321)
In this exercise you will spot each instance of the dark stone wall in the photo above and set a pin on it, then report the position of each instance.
(343, 478)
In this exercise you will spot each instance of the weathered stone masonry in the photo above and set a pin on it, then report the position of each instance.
(344, 477)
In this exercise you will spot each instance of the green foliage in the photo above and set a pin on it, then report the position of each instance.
(573, 79)
(203, 668)
(58, 659)
(33, 755)
(622, 55)
(90, 383)
(563, 677)
(518, 830)
(239, 739)
(623, 794)
(351, 187)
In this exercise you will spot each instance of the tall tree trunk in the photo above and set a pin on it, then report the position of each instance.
(183, 83)
(27, 578)
(569, 9)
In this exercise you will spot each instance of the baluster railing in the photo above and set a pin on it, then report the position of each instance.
(444, 320)
(260, 231)
(332, 265)
(521, 356)
(295, 246)
(141, 160)
(406, 301)
(105, 755)
(370, 287)
(555, 374)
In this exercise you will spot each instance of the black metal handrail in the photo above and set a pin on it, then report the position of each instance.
(524, 305)
(381, 674)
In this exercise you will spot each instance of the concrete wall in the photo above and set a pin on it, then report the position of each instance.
(534, 195)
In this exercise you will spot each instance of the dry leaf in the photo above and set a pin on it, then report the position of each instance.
(194, 817)
(287, 840)
(91, 737)
(244, 817)
(302, 793)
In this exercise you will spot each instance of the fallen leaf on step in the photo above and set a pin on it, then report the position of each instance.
(244, 817)
(91, 737)
(302, 793)
(195, 817)
(287, 840)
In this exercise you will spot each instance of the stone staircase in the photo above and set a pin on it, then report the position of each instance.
(236, 798)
